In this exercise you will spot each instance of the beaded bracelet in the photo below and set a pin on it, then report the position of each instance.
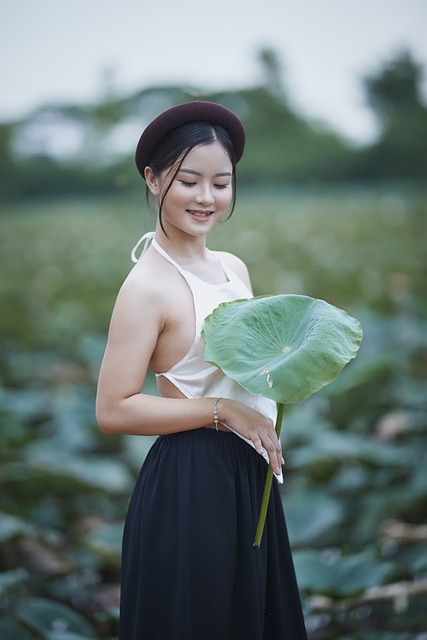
(216, 413)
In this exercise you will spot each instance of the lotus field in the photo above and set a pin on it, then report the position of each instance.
(355, 478)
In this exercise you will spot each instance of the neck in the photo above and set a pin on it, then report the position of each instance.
(181, 246)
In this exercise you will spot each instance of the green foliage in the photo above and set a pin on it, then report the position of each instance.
(283, 347)
(282, 145)
(11, 181)
(52, 621)
(327, 573)
(354, 451)
(394, 94)
(394, 91)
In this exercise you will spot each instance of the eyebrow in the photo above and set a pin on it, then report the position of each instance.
(225, 174)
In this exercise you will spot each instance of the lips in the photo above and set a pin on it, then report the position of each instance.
(200, 214)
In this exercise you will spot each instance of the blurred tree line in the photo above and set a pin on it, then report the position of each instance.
(69, 150)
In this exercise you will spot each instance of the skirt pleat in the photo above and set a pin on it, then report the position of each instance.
(189, 568)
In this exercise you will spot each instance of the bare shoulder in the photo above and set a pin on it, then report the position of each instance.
(149, 287)
(238, 266)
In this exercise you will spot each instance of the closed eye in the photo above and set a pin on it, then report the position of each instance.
(187, 184)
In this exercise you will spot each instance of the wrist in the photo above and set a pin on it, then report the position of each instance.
(215, 412)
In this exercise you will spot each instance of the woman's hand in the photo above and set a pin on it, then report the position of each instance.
(255, 427)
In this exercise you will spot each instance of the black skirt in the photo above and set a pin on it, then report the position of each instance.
(189, 568)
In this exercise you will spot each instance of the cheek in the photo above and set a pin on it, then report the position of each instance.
(175, 195)
(225, 198)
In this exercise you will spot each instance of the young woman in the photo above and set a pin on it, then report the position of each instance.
(189, 570)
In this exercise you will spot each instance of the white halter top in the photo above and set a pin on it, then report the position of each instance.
(192, 375)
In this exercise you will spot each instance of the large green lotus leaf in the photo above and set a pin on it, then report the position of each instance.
(9, 628)
(106, 542)
(45, 617)
(342, 577)
(284, 347)
(311, 513)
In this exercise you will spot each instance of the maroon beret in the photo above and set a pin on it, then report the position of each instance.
(196, 111)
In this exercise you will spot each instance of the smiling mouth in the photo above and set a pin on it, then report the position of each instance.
(200, 214)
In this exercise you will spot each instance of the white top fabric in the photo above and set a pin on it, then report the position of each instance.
(192, 375)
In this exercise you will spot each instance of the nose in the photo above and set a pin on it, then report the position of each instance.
(205, 194)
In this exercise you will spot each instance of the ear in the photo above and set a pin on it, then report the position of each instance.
(152, 181)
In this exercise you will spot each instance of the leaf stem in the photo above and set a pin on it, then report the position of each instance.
(268, 483)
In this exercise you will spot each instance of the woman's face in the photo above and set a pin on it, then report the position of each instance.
(199, 194)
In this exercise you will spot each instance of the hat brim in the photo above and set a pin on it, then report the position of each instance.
(197, 111)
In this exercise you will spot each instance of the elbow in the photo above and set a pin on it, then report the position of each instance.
(107, 420)
(117, 416)
(105, 423)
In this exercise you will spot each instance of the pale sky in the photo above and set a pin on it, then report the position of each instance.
(57, 50)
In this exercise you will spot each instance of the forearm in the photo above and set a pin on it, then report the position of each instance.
(142, 414)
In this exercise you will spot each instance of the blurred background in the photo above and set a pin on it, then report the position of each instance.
(332, 203)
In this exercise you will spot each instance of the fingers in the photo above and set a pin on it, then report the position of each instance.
(274, 451)
(266, 439)
(258, 444)
(255, 427)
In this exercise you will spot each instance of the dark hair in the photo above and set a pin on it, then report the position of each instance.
(177, 144)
